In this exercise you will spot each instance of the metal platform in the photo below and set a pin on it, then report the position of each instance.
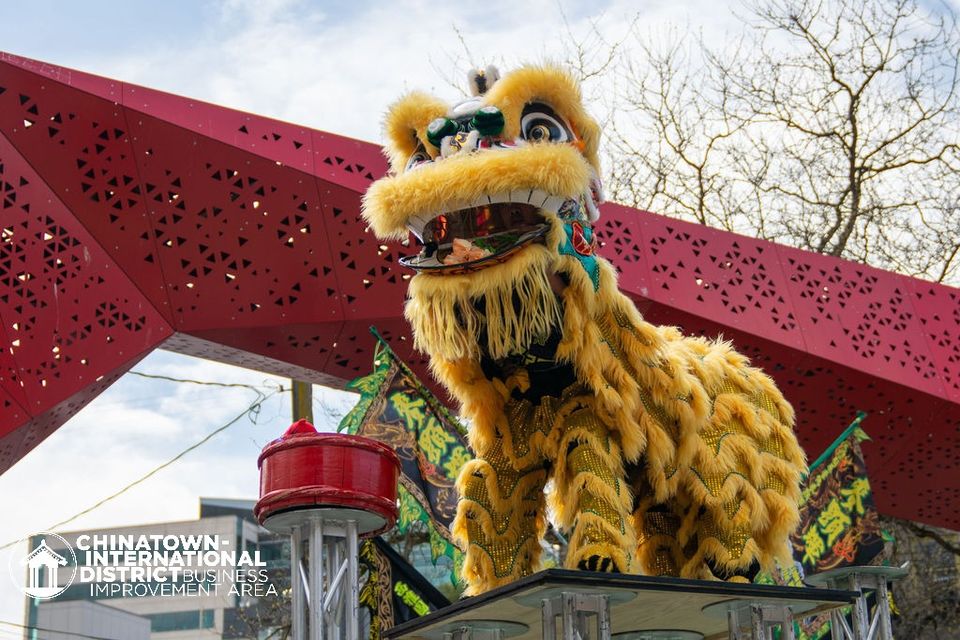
(636, 604)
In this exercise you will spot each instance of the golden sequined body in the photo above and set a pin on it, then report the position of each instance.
(670, 457)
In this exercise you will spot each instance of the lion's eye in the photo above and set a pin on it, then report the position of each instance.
(542, 132)
(540, 124)
(419, 157)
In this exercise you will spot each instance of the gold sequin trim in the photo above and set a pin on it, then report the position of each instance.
(660, 523)
(476, 490)
(586, 460)
(733, 539)
(592, 534)
(624, 323)
(663, 563)
(530, 426)
(609, 338)
(766, 403)
(593, 504)
(586, 421)
(714, 482)
(714, 438)
(660, 414)
(731, 507)
(503, 553)
(772, 445)
(775, 483)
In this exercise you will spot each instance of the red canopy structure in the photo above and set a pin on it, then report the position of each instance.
(132, 220)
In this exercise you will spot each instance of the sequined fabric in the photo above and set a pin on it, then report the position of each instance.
(502, 502)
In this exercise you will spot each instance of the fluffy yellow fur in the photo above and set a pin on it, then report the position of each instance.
(458, 181)
(406, 125)
(710, 429)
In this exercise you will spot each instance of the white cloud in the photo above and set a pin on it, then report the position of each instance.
(337, 70)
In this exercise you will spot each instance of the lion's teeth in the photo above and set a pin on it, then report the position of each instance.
(418, 222)
(540, 198)
(519, 196)
(499, 197)
(552, 203)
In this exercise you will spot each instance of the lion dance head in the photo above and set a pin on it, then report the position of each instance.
(496, 189)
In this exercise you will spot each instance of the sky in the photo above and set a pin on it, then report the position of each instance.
(333, 66)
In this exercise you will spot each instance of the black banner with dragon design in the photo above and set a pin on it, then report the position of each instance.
(839, 524)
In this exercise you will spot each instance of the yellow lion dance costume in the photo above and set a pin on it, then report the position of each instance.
(654, 452)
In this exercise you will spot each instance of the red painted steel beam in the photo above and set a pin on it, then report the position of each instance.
(133, 219)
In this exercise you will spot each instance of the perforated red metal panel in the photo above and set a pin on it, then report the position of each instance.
(861, 317)
(622, 242)
(131, 218)
(921, 477)
(69, 313)
(938, 310)
(735, 280)
(79, 144)
(272, 140)
(72, 321)
(238, 237)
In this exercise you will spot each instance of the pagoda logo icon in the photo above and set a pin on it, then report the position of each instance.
(45, 566)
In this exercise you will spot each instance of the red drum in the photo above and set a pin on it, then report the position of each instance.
(305, 475)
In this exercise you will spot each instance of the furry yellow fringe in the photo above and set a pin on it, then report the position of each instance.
(446, 322)
(406, 123)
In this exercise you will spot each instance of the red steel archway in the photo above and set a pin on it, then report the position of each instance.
(132, 219)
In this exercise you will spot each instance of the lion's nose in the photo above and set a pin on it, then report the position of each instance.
(464, 134)
(461, 142)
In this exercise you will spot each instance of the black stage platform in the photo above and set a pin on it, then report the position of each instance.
(636, 603)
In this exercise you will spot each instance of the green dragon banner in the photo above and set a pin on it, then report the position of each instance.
(394, 592)
(398, 410)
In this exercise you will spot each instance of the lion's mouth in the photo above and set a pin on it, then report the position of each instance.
(481, 233)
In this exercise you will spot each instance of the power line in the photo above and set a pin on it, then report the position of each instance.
(236, 385)
(254, 408)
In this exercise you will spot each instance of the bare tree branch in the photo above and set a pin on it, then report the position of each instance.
(831, 126)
